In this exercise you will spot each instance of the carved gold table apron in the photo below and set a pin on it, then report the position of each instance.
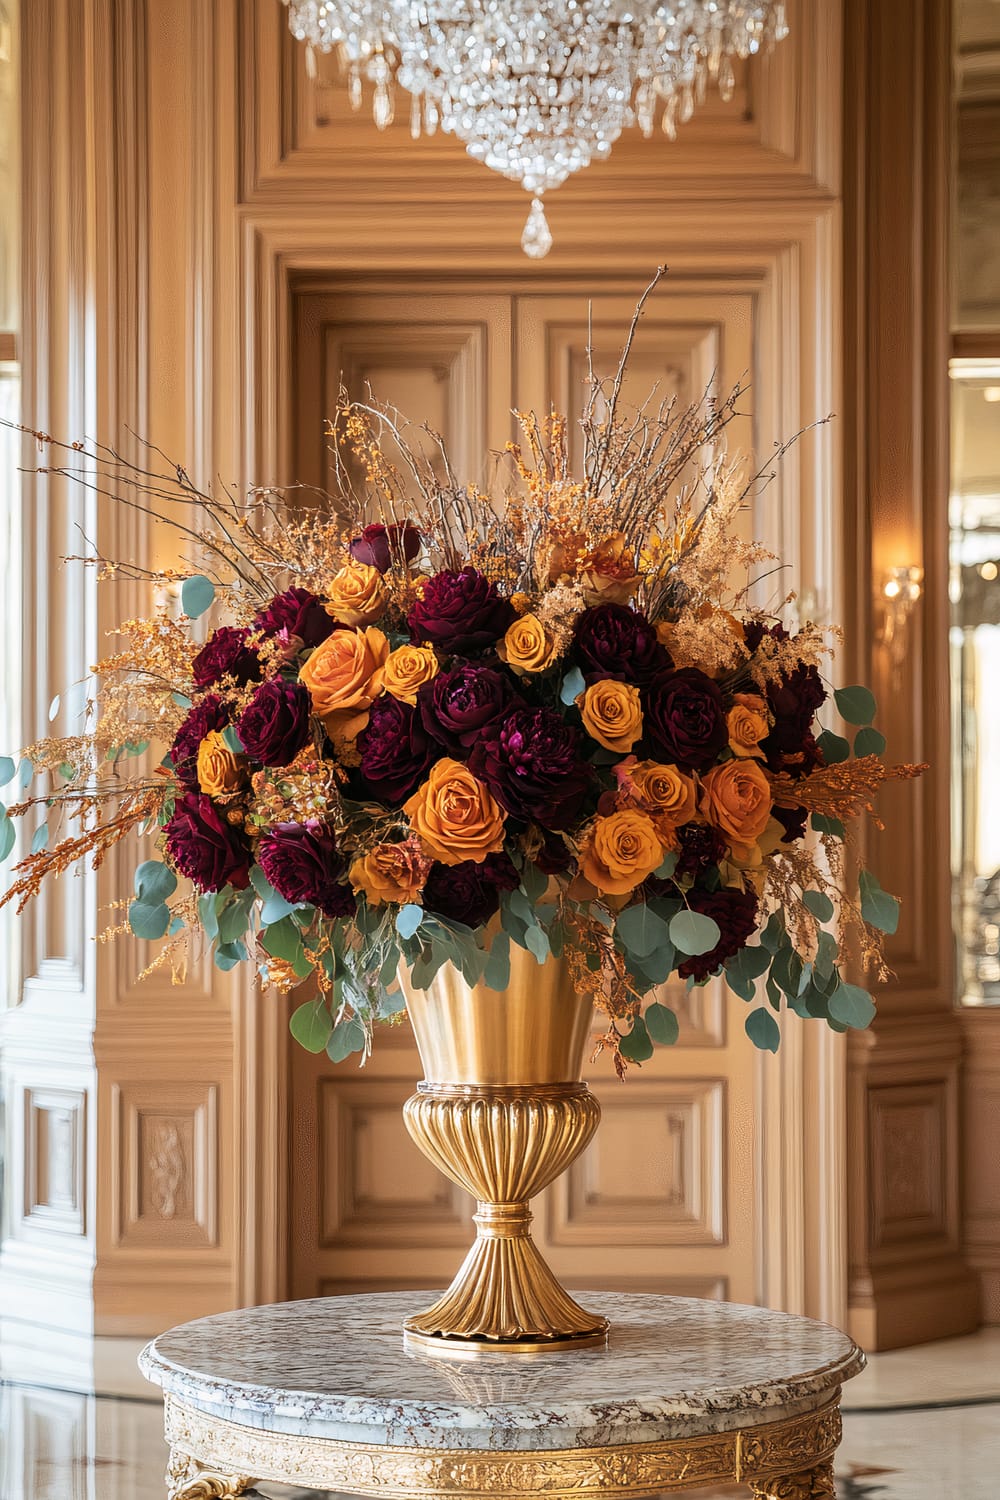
(322, 1394)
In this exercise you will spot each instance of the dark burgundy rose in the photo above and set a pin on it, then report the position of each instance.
(532, 762)
(460, 612)
(226, 654)
(684, 722)
(793, 821)
(303, 863)
(611, 640)
(296, 612)
(735, 911)
(701, 846)
(206, 848)
(554, 857)
(396, 751)
(209, 714)
(274, 726)
(380, 546)
(457, 707)
(469, 892)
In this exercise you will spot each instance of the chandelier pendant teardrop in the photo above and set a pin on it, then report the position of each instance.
(538, 89)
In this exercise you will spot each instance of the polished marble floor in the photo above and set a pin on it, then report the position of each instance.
(922, 1425)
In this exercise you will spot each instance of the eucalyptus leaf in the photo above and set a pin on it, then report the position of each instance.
(661, 1023)
(774, 934)
(8, 769)
(819, 903)
(537, 943)
(851, 1006)
(282, 940)
(693, 933)
(154, 882)
(232, 741)
(855, 704)
(408, 919)
(668, 866)
(877, 906)
(573, 685)
(8, 834)
(40, 839)
(763, 1030)
(197, 595)
(347, 1037)
(869, 741)
(496, 975)
(228, 955)
(833, 747)
(148, 921)
(637, 1046)
(640, 930)
(823, 824)
(311, 1025)
(534, 881)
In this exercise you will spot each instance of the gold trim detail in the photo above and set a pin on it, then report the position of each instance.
(787, 1460)
(503, 1145)
(187, 1479)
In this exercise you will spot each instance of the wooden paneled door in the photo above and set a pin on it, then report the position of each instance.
(665, 1198)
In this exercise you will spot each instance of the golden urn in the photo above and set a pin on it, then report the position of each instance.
(502, 1111)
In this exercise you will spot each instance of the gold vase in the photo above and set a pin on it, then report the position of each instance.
(502, 1111)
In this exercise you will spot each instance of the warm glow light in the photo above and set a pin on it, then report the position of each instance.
(892, 588)
(992, 393)
(989, 571)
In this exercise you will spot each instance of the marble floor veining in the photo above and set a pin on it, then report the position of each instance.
(922, 1424)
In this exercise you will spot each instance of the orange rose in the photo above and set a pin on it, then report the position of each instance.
(455, 815)
(391, 872)
(527, 647)
(608, 574)
(611, 714)
(407, 669)
(220, 770)
(620, 851)
(736, 799)
(340, 677)
(356, 594)
(665, 793)
(747, 723)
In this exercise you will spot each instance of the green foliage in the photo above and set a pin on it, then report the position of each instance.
(8, 834)
(639, 932)
(661, 1024)
(148, 914)
(693, 933)
(763, 1030)
(347, 1036)
(232, 741)
(408, 920)
(40, 839)
(197, 595)
(573, 685)
(637, 1046)
(834, 747)
(273, 906)
(819, 903)
(855, 704)
(8, 769)
(851, 1006)
(877, 906)
(311, 1025)
(148, 922)
(823, 824)
(869, 741)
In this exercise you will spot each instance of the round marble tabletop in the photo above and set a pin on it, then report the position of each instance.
(335, 1368)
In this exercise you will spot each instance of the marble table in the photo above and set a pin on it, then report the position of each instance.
(323, 1394)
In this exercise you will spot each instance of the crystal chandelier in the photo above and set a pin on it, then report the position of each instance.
(538, 89)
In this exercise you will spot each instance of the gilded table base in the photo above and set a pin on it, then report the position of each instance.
(791, 1460)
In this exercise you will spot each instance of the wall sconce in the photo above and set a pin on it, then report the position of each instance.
(901, 589)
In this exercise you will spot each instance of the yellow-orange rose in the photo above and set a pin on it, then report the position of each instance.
(620, 851)
(407, 669)
(527, 647)
(356, 595)
(340, 677)
(747, 724)
(608, 574)
(736, 799)
(665, 792)
(391, 872)
(220, 770)
(455, 815)
(611, 714)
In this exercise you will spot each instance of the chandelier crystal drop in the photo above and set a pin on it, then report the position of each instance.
(538, 89)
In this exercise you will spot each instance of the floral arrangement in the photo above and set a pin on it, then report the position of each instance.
(432, 722)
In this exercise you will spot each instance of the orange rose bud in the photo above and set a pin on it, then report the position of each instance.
(220, 770)
(391, 872)
(608, 574)
(611, 714)
(748, 725)
(456, 816)
(407, 669)
(736, 799)
(667, 794)
(621, 849)
(340, 675)
(356, 595)
(527, 647)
